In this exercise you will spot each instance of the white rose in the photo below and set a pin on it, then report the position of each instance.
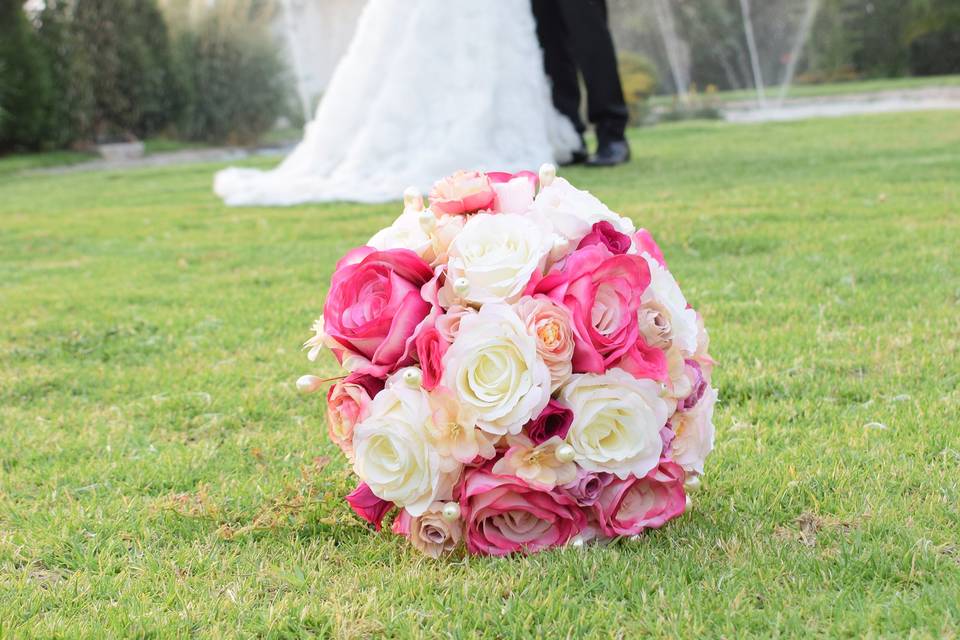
(497, 254)
(664, 296)
(404, 233)
(494, 370)
(694, 433)
(393, 454)
(616, 422)
(571, 213)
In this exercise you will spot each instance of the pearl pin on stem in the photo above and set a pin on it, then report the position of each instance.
(412, 199)
(451, 512)
(412, 377)
(692, 484)
(428, 221)
(565, 453)
(547, 173)
(309, 384)
(461, 286)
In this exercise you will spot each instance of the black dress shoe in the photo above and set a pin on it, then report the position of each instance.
(578, 157)
(610, 154)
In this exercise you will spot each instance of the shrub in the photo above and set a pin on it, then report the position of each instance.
(27, 88)
(126, 44)
(232, 78)
(638, 75)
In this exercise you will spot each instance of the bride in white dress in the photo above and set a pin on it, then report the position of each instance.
(426, 87)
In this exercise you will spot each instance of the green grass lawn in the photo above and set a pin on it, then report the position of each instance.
(160, 476)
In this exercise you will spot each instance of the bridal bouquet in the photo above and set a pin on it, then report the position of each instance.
(523, 370)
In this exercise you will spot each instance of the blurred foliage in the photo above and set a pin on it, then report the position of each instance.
(73, 71)
(698, 106)
(638, 75)
(127, 47)
(94, 71)
(849, 39)
(27, 93)
(233, 79)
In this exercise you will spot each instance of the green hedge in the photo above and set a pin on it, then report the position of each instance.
(92, 71)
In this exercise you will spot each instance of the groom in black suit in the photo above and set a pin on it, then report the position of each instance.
(575, 37)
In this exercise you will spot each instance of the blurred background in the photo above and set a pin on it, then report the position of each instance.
(75, 74)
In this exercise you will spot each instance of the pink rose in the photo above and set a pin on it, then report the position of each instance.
(644, 361)
(504, 515)
(430, 349)
(646, 244)
(463, 192)
(374, 307)
(348, 403)
(448, 324)
(606, 234)
(602, 292)
(553, 421)
(515, 191)
(627, 507)
(368, 506)
(588, 486)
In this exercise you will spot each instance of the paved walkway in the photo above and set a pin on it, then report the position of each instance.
(845, 105)
(187, 156)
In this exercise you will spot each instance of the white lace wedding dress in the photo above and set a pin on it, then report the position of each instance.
(426, 87)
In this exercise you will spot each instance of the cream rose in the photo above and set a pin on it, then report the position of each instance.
(404, 233)
(392, 450)
(570, 213)
(694, 433)
(495, 372)
(496, 254)
(616, 422)
(665, 298)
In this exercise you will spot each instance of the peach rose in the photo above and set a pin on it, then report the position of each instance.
(463, 192)
(430, 533)
(553, 327)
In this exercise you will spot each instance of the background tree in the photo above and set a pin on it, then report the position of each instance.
(28, 92)
(126, 43)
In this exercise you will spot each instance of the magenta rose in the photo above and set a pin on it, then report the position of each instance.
(374, 307)
(348, 403)
(368, 506)
(504, 515)
(588, 486)
(602, 292)
(604, 233)
(627, 507)
(430, 349)
(554, 420)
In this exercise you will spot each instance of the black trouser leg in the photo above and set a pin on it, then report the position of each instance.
(593, 51)
(558, 60)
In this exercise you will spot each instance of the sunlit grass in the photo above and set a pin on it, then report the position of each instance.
(159, 476)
